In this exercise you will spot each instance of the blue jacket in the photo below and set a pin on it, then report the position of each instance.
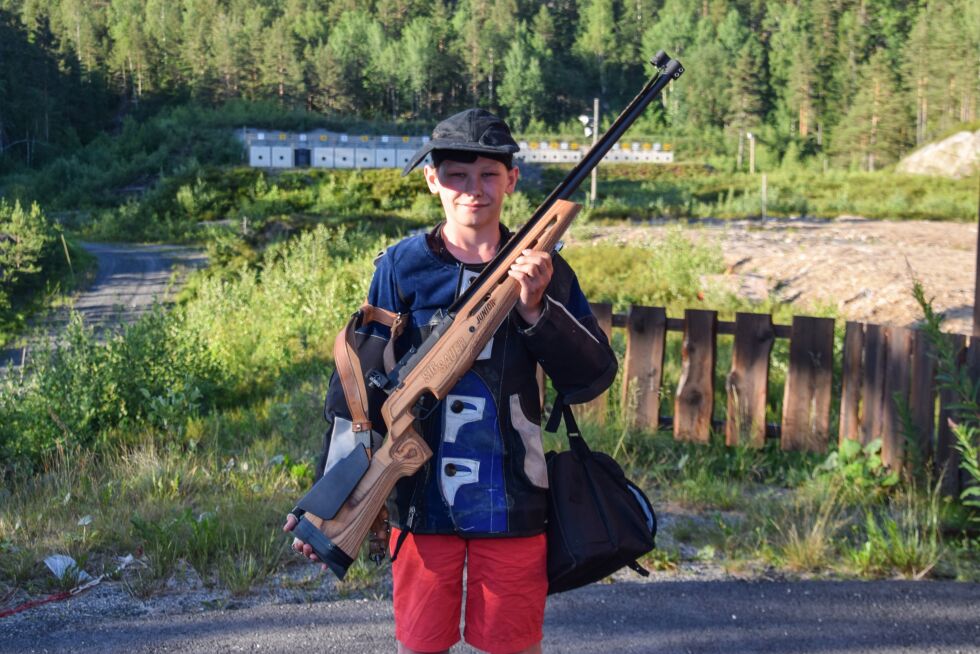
(487, 476)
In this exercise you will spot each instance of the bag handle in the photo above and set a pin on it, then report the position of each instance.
(562, 410)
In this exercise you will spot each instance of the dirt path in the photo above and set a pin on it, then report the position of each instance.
(862, 268)
(130, 279)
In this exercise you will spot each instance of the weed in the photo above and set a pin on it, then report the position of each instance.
(702, 490)
(858, 470)
(902, 539)
(956, 378)
(362, 575)
(808, 532)
(18, 565)
(663, 560)
(250, 562)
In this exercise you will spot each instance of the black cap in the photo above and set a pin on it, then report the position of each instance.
(473, 130)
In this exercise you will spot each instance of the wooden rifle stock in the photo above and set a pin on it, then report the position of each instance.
(451, 349)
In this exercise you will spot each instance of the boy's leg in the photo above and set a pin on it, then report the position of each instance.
(427, 591)
(506, 588)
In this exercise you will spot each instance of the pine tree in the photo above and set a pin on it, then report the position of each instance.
(470, 44)
(633, 20)
(703, 100)
(163, 29)
(672, 30)
(196, 30)
(419, 51)
(596, 41)
(25, 238)
(792, 71)
(228, 54)
(130, 46)
(747, 93)
(875, 130)
(280, 71)
(522, 92)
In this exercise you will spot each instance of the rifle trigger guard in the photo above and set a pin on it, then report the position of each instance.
(422, 409)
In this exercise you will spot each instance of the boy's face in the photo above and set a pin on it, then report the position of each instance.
(472, 194)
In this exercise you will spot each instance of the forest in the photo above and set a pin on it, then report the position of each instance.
(850, 83)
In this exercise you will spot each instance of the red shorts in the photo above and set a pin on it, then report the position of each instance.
(506, 587)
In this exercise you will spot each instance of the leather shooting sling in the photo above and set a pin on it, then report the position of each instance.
(352, 374)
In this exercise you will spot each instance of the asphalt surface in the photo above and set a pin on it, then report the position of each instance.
(632, 617)
(129, 280)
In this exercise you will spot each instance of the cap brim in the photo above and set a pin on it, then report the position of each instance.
(445, 144)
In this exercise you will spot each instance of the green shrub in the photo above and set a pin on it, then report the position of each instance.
(80, 392)
(667, 274)
(858, 470)
(955, 378)
(27, 243)
(261, 322)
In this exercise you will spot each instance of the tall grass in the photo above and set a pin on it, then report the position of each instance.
(694, 191)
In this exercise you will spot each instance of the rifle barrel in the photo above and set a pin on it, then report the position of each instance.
(567, 187)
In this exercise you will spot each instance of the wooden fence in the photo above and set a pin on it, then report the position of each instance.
(887, 387)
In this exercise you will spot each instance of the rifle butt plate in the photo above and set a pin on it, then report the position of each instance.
(335, 558)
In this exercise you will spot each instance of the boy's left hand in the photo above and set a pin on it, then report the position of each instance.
(532, 270)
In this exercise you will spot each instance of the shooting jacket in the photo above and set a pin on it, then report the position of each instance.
(487, 476)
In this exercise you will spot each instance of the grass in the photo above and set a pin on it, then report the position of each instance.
(760, 510)
(694, 191)
(187, 436)
(214, 506)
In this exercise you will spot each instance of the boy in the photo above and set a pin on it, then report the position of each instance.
(480, 501)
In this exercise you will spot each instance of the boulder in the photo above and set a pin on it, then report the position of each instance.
(957, 156)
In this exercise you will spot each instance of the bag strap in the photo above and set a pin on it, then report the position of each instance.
(349, 363)
(562, 410)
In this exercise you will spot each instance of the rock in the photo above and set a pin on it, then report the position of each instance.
(957, 156)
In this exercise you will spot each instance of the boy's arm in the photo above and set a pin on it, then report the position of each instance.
(567, 341)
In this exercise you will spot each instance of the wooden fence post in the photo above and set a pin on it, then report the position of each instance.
(806, 401)
(872, 383)
(898, 348)
(922, 395)
(694, 402)
(646, 332)
(850, 401)
(748, 382)
(596, 409)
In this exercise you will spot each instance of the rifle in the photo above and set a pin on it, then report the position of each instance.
(337, 514)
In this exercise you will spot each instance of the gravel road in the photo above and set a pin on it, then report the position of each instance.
(723, 615)
(132, 277)
(861, 268)
(129, 280)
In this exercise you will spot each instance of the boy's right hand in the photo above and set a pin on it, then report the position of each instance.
(298, 545)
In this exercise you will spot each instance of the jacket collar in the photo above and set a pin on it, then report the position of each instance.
(438, 247)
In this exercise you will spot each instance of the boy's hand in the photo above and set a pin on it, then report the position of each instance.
(299, 545)
(532, 270)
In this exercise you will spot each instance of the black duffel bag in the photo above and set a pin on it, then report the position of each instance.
(598, 520)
